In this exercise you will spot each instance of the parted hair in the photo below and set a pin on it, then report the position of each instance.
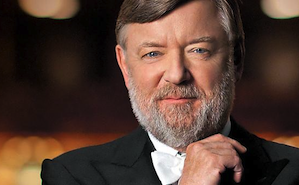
(144, 11)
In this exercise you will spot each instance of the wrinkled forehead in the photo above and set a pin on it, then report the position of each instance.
(200, 10)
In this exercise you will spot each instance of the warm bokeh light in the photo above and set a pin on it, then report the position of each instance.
(56, 9)
(280, 9)
(61, 88)
(68, 9)
(7, 175)
(21, 156)
(15, 152)
(40, 8)
(288, 140)
(280, 71)
(29, 174)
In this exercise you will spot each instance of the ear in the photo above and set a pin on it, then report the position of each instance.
(238, 70)
(239, 53)
(121, 60)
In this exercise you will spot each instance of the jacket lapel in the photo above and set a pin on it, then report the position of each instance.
(258, 167)
(131, 164)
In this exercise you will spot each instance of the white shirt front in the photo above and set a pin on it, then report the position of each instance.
(161, 147)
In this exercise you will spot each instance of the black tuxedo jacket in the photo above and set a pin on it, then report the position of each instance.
(127, 161)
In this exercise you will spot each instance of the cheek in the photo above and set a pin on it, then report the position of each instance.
(146, 77)
(208, 77)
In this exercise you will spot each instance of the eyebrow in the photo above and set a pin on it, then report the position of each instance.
(201, 39)
(150, 45)
(194, 41)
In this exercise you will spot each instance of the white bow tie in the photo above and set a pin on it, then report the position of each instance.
(168, 167)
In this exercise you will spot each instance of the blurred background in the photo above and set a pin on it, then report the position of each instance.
(60, 86)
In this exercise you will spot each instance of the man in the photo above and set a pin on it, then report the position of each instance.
(180, 60)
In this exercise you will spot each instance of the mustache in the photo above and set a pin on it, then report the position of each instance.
(183, 91)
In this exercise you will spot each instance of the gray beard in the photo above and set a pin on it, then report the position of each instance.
(179, 125)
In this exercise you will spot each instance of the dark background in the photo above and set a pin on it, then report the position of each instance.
(62, 75)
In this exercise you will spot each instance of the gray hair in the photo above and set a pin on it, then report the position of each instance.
(144, 11)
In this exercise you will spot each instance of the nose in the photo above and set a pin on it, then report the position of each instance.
(177, 71)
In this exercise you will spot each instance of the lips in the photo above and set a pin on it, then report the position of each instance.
(175, 99)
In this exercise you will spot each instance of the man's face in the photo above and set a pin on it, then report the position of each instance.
(179, 73)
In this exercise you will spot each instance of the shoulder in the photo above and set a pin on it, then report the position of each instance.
(80, 164)
(274, 150)
(277, 151)
(104, 152)
(280, 152)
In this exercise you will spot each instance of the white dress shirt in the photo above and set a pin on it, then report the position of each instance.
(161, 147)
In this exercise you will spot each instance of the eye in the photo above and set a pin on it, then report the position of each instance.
(200, 53)
(199, 50)
(152, 54)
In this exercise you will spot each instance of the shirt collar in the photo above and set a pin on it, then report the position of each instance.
(161, 147)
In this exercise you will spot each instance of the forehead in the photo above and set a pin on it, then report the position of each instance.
(195, 19)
